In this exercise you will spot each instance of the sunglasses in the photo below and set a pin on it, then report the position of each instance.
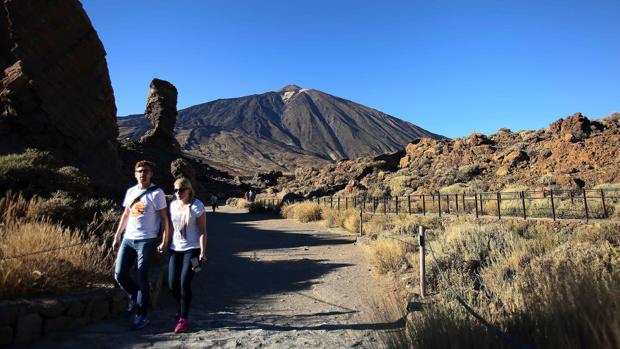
(179, 190)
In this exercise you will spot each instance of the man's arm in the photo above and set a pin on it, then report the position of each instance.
(163, 213)
(202, 230)
(121, 228)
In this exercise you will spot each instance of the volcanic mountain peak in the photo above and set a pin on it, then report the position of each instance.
(289, 88)
(282, 130)
(289, 91)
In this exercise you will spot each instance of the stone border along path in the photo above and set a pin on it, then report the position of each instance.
(269, 283)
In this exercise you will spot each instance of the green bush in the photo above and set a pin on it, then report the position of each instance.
(36, 172)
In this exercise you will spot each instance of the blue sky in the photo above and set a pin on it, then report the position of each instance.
(452, 67)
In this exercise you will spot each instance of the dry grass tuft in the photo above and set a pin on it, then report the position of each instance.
(52, 271)
(304, 212)
(242, 203)
(389, 254)
(351, 221)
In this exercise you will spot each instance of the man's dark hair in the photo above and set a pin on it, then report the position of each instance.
(146, 163)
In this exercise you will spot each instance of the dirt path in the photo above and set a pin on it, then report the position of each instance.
(269, 283)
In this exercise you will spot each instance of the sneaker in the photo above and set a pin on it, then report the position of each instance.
(181, 325)
(139, 322)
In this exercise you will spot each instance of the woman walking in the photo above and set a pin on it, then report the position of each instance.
(188, 247)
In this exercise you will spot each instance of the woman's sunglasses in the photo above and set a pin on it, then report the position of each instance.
(179, 190)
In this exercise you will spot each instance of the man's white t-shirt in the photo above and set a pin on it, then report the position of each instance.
(185, 237)
(144, 218)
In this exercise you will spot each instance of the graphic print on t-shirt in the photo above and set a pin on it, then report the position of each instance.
(137, 209)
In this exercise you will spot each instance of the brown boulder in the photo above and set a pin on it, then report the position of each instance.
(476, 139)
(55, 90)
(515, 157)
(573, 128)
(404, 162)
(161, 109)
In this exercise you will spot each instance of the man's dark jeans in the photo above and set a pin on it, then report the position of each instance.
(129, 251)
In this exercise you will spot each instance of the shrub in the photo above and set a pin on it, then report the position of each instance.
(467, 172)
(388, 254)
(36, 172)
(351, 221)
(242, 203)
(400, 185)
(304, 212)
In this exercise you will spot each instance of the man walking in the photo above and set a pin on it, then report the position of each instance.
(145, 210)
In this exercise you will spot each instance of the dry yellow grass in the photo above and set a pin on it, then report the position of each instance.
(545, 284)
(351, 221)
(389, 254)
(52, 271)
(22, 233)
(242, 203)
(304, 212)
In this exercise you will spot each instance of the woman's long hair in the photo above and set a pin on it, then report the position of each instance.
(186, 183)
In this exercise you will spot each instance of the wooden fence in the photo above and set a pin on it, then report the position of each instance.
(554, 204)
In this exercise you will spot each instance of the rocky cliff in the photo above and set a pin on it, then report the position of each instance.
(55, 90)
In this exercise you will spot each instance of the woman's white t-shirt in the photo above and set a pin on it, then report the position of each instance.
(185, 237)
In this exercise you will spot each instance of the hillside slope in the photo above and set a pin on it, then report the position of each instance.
(282, 130)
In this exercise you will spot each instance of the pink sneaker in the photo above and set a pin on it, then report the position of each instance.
(181, 325)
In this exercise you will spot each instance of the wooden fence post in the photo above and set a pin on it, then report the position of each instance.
(456, 202)
(523, 205)
(361, 221)
(396, 203)
(338, 202)
(481, 207)
(476, 204)
(447, 202)
(552, 205)
(331, 201)
(409, 203)
(464, 207)
(421, 238)
(585, 204)
(499, 202)
(346, 202)
(423, 205)
(439, 203)
(385, 202)
(604, 206)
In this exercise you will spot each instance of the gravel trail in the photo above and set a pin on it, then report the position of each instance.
(269, 283)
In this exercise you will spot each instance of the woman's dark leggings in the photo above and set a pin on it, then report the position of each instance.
(180, 275)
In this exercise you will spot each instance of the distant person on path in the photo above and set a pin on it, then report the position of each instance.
(188, 248)
(251, 195)
(213, 202)
(145, 211)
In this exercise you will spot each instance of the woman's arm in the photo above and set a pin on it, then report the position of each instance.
(202, 230)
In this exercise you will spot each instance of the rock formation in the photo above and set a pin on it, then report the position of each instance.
(161, 110)
(55, 90)
(538, 159)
